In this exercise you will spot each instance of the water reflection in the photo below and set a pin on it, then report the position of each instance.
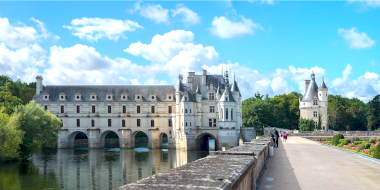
(90, 168)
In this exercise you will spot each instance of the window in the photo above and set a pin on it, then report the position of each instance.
(138, 123)
(190, 110)
(185, 124)
(109, 109)
(93, 109)
(138, 109)
(123, 123)
(92, 123)
(152, 123)
(78, 122)
(185, 110)
(152, 97)
(123, 97)
(315, 124)
(109, 123)
(232, 116)
(124, 109)
(170, 123)
(212, 109)
(45, 108)
(315, 102)
(78, 109)
(226, 113)
(190, 124)
(152, 109)
(61, 123)
(221, 113)
(62, 109)
(169, 97)
(212, 122)
(170, 109)
(315, 114)
(185, 98)
(211, 96)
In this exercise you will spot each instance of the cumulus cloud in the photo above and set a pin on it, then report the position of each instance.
(189, 17)
(151, 11)
(225, 28)
(92, 29)
(355, 39)
(17, 36)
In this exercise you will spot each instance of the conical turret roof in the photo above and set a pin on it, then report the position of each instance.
(323, 85)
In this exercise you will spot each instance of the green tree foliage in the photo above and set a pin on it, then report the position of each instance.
(319, 126)
(10, 136)
(16, 92)
(40, 127)
(306, 124)
(373, 113)
(281, 111)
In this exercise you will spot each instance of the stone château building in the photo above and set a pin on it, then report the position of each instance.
(314, 102)
(205, 106)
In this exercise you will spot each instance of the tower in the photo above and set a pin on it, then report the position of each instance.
(39, 84)
(323, 103)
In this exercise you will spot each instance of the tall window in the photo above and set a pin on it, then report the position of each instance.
(232, 114)
(62, 109)
(152, 123)
(92, 123)
(315, 102)
(185, 110)
(123, 123)
(61, 123)
(212, 109)
(211, 96)
(45, 108)
(190, 110)
(78, 122)
(152, 109)
(315, 124)
(315, 114)
(109, 109)
(226, 113)
(124, 109)
(170, 109)
(93, 109)
(212, 122)
(138, 109)
(185, 124)
(78, 109)
(170, 123)
(138, 122)
(109, 123)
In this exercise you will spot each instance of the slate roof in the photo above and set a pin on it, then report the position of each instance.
(234, 87)
(311, 91)
(191, 97)
(323, 85)
(230, 97)
(101, 91)
(214, 79)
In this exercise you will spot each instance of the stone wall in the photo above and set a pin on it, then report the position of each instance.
(237, 168)
(248, 133)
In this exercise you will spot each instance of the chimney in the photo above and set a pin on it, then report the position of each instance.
(39, 84)
(204, 77)
(307, 82)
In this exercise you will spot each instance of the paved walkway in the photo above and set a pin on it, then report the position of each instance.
(303, 164)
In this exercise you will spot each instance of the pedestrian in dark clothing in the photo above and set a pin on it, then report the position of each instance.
(271, 137)
(277, 135)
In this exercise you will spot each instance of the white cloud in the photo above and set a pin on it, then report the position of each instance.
(92, 29)
(17, 36)
(347, 71)
(189, 16)
(355, 39)
(367, 3)
(151, 11)
(225, 28)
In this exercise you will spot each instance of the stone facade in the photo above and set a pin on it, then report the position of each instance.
(314, 102)
(203, 107)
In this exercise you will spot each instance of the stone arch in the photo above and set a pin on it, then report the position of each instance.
(202, 141)
(71, 139)
(103, 142)
(133, 139)
(163, 140)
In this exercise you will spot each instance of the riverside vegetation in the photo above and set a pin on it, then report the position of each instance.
(370, 147)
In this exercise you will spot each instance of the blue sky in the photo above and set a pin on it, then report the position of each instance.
(272, 46)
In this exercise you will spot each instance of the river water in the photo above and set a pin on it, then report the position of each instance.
(84, 168)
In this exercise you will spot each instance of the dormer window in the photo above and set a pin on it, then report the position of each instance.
(124, 96)
(138, 97)
(93, 96)
(46, 96)
(315, 102)
(77, 96)
(169, 97)
(109, 96)
(62, 96)
(153, 97)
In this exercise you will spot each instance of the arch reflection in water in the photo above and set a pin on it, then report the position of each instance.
(95, 168)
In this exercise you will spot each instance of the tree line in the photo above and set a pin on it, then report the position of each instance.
(24, 126)
(283, 111)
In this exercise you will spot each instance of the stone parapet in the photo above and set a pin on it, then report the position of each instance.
(237, 168)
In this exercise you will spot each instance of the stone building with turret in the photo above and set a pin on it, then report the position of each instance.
(202, 107)
(314, 103)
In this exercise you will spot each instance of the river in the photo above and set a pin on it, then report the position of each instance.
(84, 168)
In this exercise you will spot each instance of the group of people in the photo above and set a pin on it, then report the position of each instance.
(275, 135)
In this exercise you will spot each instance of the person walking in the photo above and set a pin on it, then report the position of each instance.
(277, 135)
(285, 136)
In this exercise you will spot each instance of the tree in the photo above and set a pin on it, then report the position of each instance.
(373, 113)
(319, 126)
(40, 127)
(10, 136)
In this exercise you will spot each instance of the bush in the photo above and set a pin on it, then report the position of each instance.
(372, 140)
(336, 138)
(378, 139)
(319, 139)
(348, 141)
(353, 139)
(356, 142)
(377, 151)
(364, 146)
(342, 143)
(360, 142)
(340, 140)
(351, 145)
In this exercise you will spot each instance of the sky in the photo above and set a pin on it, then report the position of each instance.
(270, 47)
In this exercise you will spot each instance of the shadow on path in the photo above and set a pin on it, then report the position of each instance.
(279, 173)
